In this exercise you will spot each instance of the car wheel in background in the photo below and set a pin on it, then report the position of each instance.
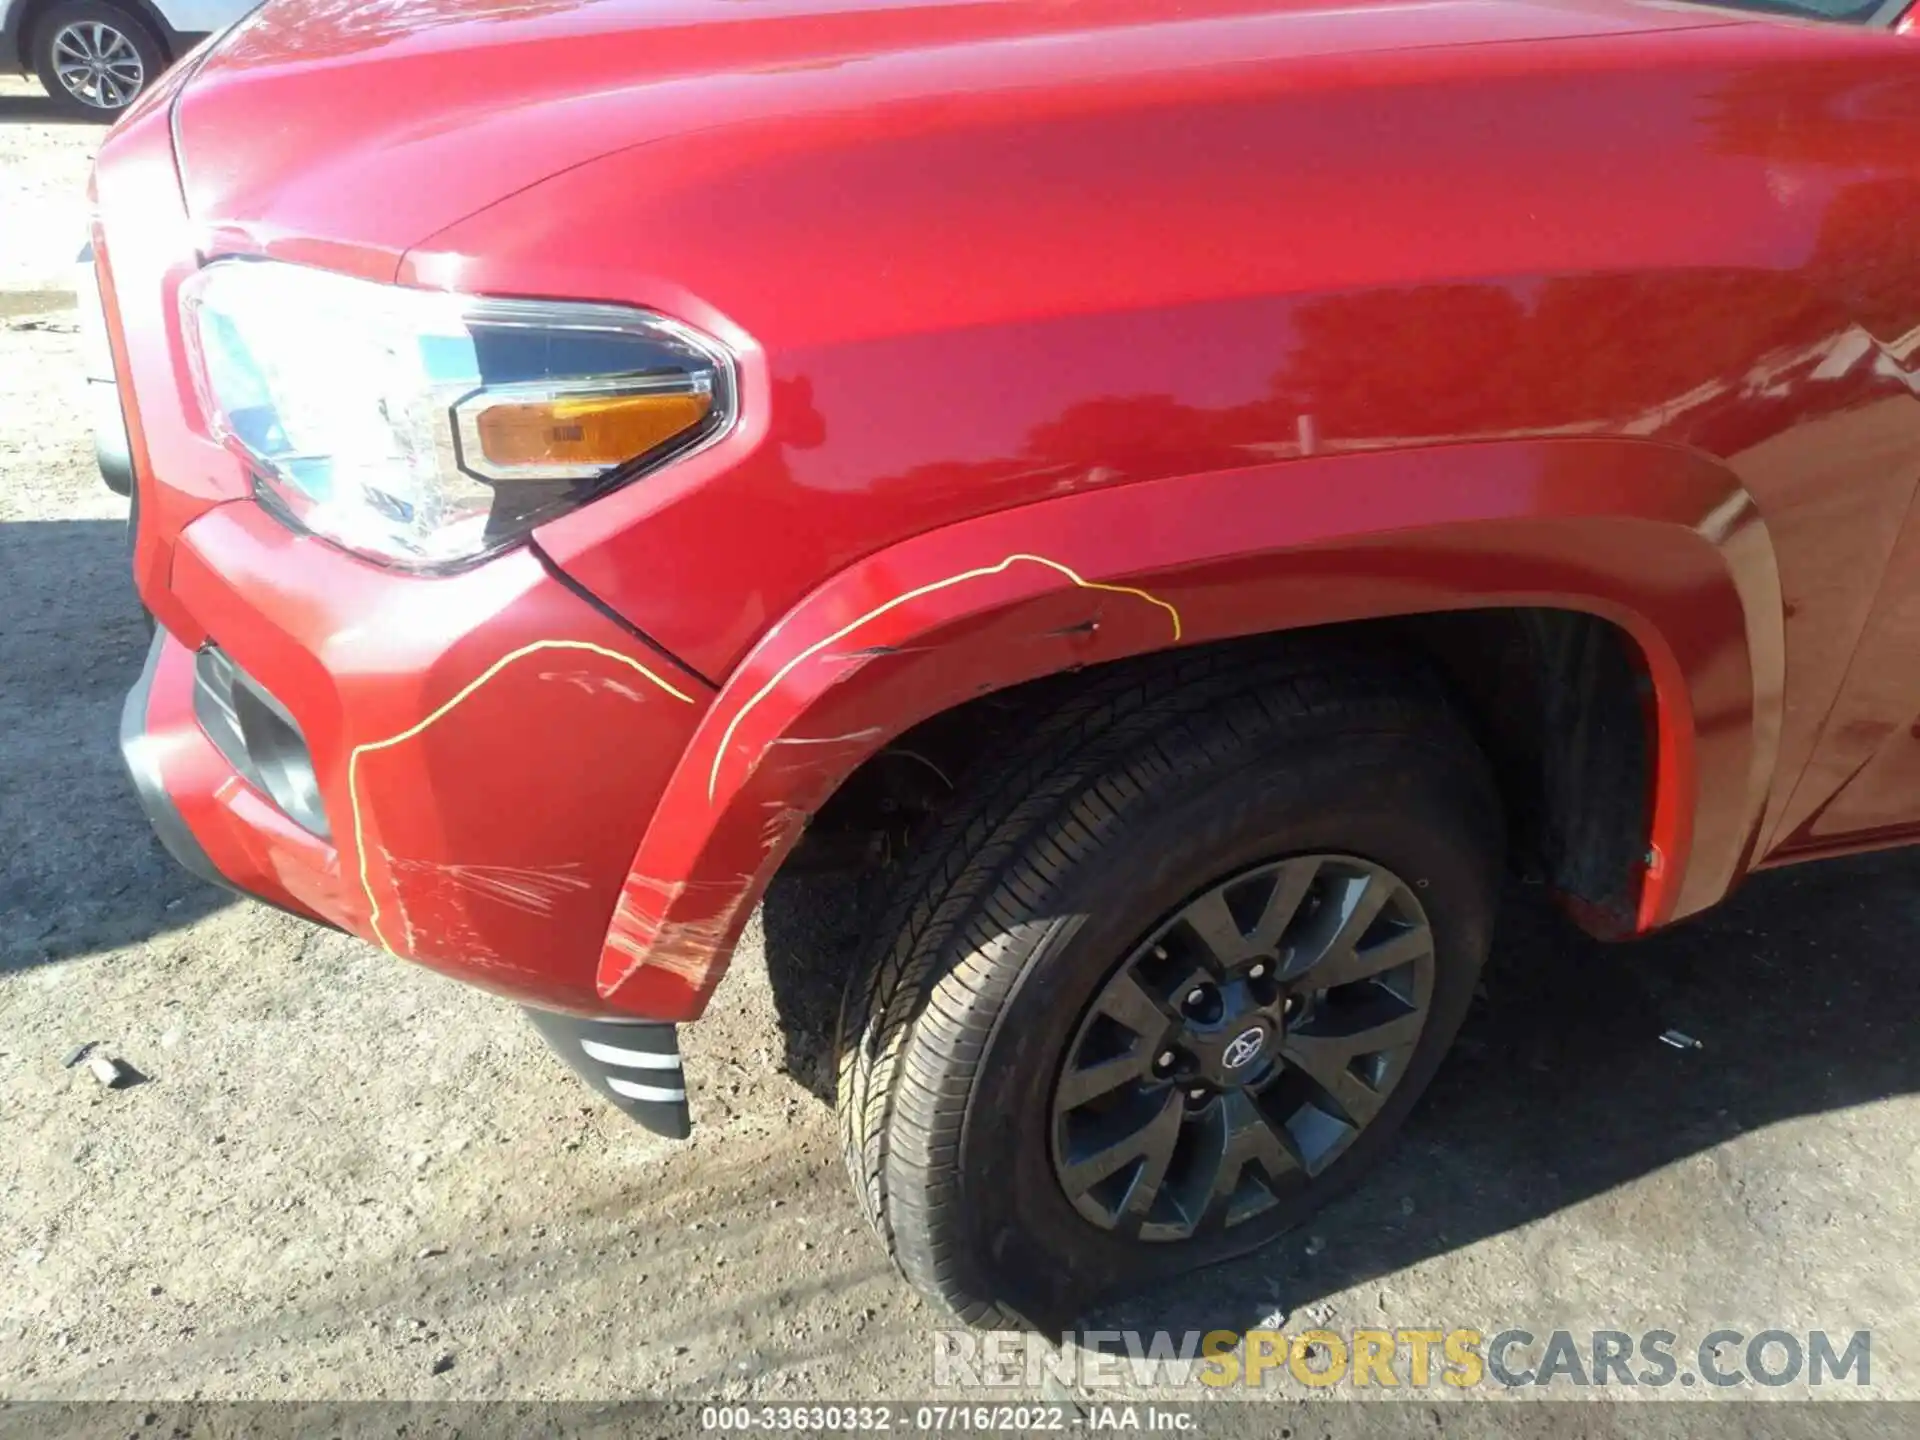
(94, 58)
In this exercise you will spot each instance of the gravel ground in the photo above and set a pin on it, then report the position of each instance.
(341, 1177)
(43, 183)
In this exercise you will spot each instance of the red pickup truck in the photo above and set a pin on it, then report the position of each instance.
(1185, 495)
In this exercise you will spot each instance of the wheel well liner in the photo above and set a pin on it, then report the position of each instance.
(1560, 701)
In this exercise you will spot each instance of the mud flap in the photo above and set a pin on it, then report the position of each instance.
(634, 1063)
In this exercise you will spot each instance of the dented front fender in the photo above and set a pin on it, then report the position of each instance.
(1658, 540)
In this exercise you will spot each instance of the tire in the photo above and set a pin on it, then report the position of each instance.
(1009, 927)
(80, 30)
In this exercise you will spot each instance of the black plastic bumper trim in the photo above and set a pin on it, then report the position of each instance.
(258, 737)
(111, 452)
(136, 750)
(634, 1063)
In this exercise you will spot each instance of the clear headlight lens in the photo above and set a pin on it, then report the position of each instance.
(425, 429)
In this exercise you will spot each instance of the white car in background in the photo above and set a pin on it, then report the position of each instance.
(95, 56)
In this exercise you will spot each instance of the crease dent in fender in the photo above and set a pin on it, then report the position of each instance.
(726, 737)
(467, 690)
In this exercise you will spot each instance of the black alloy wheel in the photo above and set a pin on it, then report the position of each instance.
(1242, 1047)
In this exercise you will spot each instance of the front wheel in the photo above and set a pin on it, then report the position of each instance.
(1170, 982)
(94, 58)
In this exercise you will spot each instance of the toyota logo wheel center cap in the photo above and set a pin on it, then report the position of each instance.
(1245, 1048)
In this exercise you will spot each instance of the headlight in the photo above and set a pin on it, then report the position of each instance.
(425, 429)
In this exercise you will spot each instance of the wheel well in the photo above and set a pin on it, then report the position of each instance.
(1560, 701)
(140, 10)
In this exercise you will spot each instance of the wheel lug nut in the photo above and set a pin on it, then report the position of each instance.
(1164, 1061)
(1197, 1093)
(1258, 972)
(1196, 997)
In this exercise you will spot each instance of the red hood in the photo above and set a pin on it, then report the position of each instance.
(373, 124)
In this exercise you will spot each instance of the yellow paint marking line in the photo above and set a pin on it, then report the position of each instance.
(726, 739)
(353, 759)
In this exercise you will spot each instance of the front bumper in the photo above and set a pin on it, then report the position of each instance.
(140, 750)
(177, 759)
(484, 751)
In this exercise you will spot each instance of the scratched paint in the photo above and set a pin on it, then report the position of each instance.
(683, 948)
(534, 890)
(588, 683)
(418, 728)
(852, 737)
(907, 597)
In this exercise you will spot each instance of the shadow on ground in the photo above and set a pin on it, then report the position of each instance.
(81, 871)
(1560, 1088)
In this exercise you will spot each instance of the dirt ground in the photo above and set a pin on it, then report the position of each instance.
(342, 1177)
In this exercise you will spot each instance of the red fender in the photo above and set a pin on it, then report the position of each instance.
(1659, 540)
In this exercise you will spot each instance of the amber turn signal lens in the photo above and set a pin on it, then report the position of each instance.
(589, 430)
